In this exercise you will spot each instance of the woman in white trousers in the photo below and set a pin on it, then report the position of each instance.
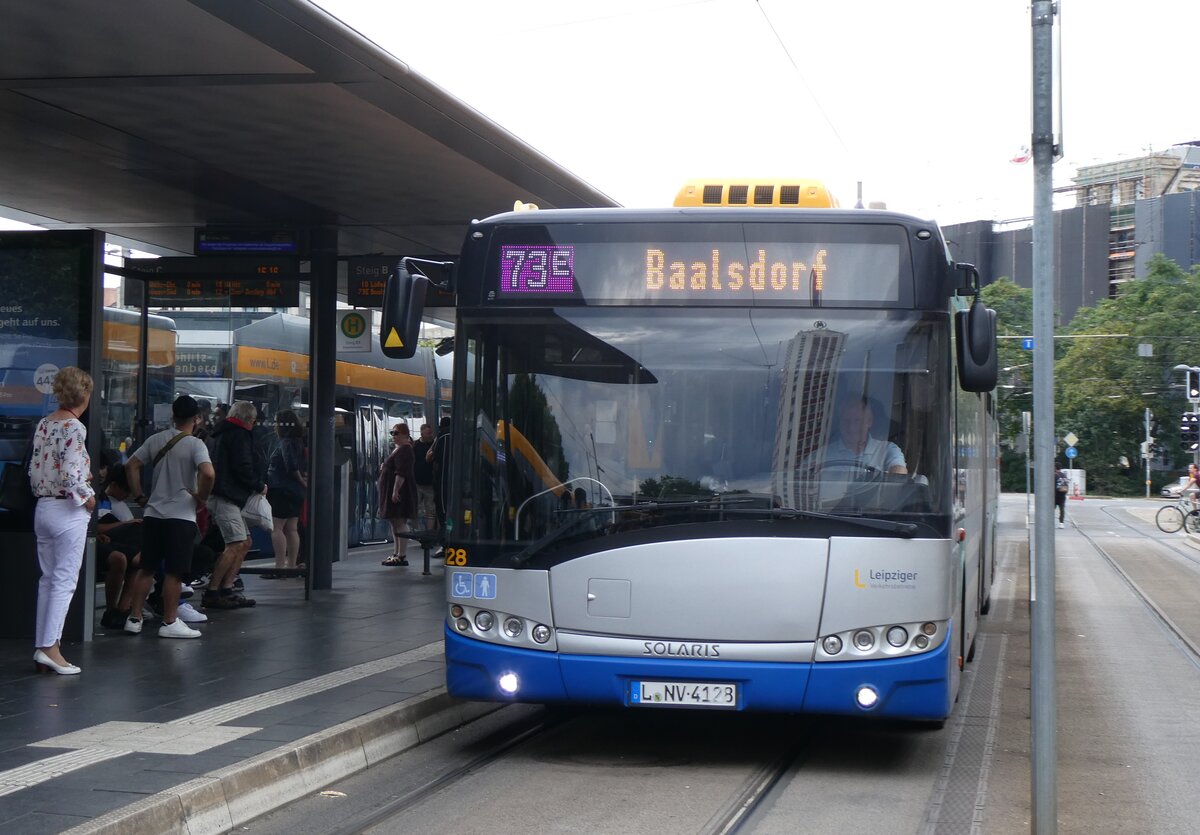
(59, 473)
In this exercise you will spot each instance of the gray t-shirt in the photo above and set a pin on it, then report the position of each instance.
(174, 475)
(882, 455)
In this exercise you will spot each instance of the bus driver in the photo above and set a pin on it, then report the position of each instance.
(854, 444)
(854, 455)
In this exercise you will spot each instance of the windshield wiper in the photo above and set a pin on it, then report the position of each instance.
(584, 514)
(569, 527)
(905, 529)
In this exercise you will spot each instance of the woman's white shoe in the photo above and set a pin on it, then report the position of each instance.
(44, 661)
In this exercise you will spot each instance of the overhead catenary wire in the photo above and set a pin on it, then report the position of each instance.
(808, 87)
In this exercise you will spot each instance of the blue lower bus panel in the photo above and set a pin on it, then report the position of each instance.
(915, 687)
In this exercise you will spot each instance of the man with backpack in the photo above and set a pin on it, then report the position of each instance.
(1061, 485)
(181, 481)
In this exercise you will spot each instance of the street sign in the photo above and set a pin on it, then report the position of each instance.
(354, 332)
(1027, 343)
(1071, 452)
(1070, 439)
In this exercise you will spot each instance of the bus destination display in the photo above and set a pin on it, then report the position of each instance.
(671, 272)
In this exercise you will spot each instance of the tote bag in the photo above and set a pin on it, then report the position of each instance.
(257, 512)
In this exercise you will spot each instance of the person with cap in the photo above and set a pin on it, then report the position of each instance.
(181, 480)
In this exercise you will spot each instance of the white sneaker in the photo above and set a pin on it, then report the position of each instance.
(178, 629)
(148, 613)
(185, 591)
(1061, 525)
(133, 627)
(187, 614)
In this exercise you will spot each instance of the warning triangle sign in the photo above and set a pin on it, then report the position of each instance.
(393, 340)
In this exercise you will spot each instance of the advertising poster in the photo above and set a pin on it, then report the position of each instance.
(44, 321)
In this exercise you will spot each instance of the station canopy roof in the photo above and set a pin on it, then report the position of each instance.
(149, 118)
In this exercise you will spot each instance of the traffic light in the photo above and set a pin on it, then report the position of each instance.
(1193, 385)
(1189, 431)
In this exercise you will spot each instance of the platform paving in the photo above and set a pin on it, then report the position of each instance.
(288, 681)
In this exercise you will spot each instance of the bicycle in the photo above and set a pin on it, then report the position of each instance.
(1170, 518)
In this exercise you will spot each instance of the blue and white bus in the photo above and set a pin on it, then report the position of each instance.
(727, 458)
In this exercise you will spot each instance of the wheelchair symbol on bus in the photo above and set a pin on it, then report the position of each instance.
(461, 584)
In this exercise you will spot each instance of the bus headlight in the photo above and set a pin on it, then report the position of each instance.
(456, 611)
(921, 642)
(484, 621)
(863, 640)
(832, 645)
(541, 633)
(463, 625)
(897, 636)
(513, 627)
(508, 683)
(866, 697)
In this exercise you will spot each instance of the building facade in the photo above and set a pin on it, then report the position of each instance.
(1133, 190)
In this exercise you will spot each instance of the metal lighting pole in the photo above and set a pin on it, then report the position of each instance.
(1146, 454)
(1043, 696)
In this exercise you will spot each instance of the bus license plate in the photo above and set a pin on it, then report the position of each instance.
(683, 694)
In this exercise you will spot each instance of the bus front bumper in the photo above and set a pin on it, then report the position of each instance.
(914, 687)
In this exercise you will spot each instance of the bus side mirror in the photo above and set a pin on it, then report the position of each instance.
(975, 341)
(403, 305)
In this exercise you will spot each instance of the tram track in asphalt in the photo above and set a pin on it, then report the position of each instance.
(1185, 552)
(510, 745)
(738, 815)
(508, 739)
(1186, 644)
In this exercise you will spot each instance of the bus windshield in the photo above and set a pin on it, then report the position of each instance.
(668, 414)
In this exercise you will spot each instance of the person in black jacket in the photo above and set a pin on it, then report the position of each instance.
(239, 474)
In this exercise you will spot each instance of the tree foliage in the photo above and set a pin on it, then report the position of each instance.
(1014, 318)
(1102, 383)
(1103, 386)
(673, 487)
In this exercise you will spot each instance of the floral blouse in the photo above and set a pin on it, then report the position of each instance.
(60, 465)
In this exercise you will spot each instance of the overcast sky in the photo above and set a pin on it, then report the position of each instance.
(926, 103)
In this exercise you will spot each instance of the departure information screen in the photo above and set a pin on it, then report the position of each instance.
(720, 263)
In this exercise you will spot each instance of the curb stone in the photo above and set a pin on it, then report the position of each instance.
(231, 796)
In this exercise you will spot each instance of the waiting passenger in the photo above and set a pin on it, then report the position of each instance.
(59, 473)
(118, 549)
(239, 475)
(181, 481)
(423, 472)
(398, 493)
(288, 480)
